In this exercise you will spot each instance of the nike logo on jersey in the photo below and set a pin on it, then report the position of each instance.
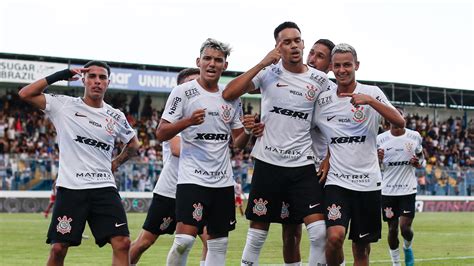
(363, 235)
(389, 149)
(312, 206)
(279, 85)
(406, 211)
(329, 118)
(80, 115)
(118, 225)
(232, 222)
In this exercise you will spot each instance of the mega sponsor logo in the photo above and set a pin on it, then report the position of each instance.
(211, 136)
(399, 163)
(100, 176)
(174, 105)
(95, 123)
(284, 153)
(93, 143)
(348, 140)
(297, 93)
(192, 93)
(290, 113)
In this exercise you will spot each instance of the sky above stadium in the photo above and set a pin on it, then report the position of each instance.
(417, 42)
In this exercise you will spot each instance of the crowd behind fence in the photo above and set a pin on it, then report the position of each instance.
(38, 174)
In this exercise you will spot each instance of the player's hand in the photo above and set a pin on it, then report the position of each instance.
(380, 154)
(257, 130)
(323, 170)
(198, 116)
(358, 98)
(248, 121)
(273, 56)
(77, 73)
(415, 161)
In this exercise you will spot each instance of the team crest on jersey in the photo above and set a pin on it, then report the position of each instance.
(285, 213)
(260, 207)
(311, 93)
(197, 213)
(334, 212)
(277, 70)
(110, 126)
(359, 115)
(225, 115)
(166, 223)
(64, 225)
(409, 147)
(388, 212)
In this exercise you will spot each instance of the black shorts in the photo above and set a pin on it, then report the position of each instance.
(100, 207)
(360, 208)
(161, 217)
(205, 206)
(283, 194)
(395, 206)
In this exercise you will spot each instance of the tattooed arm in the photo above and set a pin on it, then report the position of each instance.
(129, 151)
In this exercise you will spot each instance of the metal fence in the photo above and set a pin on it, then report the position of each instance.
(38, 174)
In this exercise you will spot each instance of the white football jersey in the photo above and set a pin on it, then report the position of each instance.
(351, 135)
(320, 144)
(205, 155)
(287, 110)
(398, 176)
(86, 137)
(166, 184)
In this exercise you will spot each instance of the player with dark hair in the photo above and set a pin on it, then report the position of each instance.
(285, 188)
(87, 128)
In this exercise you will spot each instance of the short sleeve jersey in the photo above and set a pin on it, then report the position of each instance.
(166, 184)
(287, 109)
(351, 134)
(86, 137)
(320, 145)
(205, 155)
(398, 176)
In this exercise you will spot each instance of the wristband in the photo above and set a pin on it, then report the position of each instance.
(247, 132)
(60, 75)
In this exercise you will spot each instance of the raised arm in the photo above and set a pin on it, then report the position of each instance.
(33, 93)
(243, 83)
(130, 150)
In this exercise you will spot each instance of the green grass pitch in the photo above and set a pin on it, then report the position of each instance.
(440, 239)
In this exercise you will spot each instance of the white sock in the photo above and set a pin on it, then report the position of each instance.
(343, 263)
(179, 251)
(406, 243)
(216, 251)
(395, 255)
(317, 240)
(294, 264)
(253, 245)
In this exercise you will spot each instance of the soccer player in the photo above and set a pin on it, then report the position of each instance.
(285, 188)
(238, 196)
(400, 151)
(87, 128)
(161, 218)
(52, 199)
(207, 122)
(349, 118)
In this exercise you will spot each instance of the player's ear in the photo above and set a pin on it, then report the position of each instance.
(357, 65)
(198, 62)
